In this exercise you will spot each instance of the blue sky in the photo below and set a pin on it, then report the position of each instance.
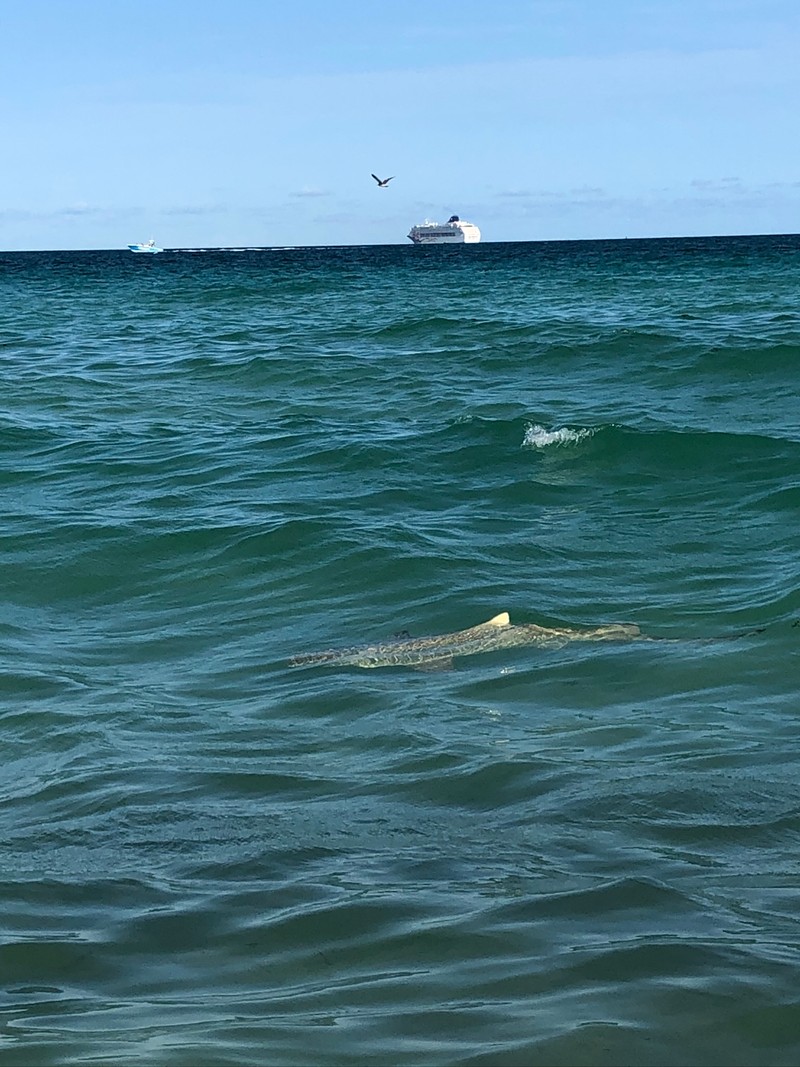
(258, 122)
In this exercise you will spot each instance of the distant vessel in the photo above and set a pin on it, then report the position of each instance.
(148, 246)
(453, 232)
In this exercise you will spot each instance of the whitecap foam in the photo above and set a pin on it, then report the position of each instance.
(539, 437)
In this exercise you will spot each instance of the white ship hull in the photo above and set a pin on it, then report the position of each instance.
(453, 232)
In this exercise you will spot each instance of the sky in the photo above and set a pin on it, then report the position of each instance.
(259, 122)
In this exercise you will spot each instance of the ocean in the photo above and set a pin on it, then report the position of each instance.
(213, 462)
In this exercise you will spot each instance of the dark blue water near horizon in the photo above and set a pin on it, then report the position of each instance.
(213, 461)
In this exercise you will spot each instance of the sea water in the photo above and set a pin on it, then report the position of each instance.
(212, 462)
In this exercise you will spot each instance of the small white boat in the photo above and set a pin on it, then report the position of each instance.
(453, 232)
(148, 246)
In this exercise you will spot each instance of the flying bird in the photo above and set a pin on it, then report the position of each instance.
(382, 182)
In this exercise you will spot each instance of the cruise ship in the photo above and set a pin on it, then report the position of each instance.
(453, 232)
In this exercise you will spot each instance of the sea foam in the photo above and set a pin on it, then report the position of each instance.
(538, 437)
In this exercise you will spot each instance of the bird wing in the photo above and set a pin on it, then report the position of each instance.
(377, 179)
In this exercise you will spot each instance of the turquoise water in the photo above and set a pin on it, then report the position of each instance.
(212, 462)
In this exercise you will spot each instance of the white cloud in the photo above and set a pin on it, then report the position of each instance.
(310, 191)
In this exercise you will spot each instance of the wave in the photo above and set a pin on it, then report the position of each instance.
(666, 441)
(537, 436)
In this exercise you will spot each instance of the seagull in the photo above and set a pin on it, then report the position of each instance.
(382, 183)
